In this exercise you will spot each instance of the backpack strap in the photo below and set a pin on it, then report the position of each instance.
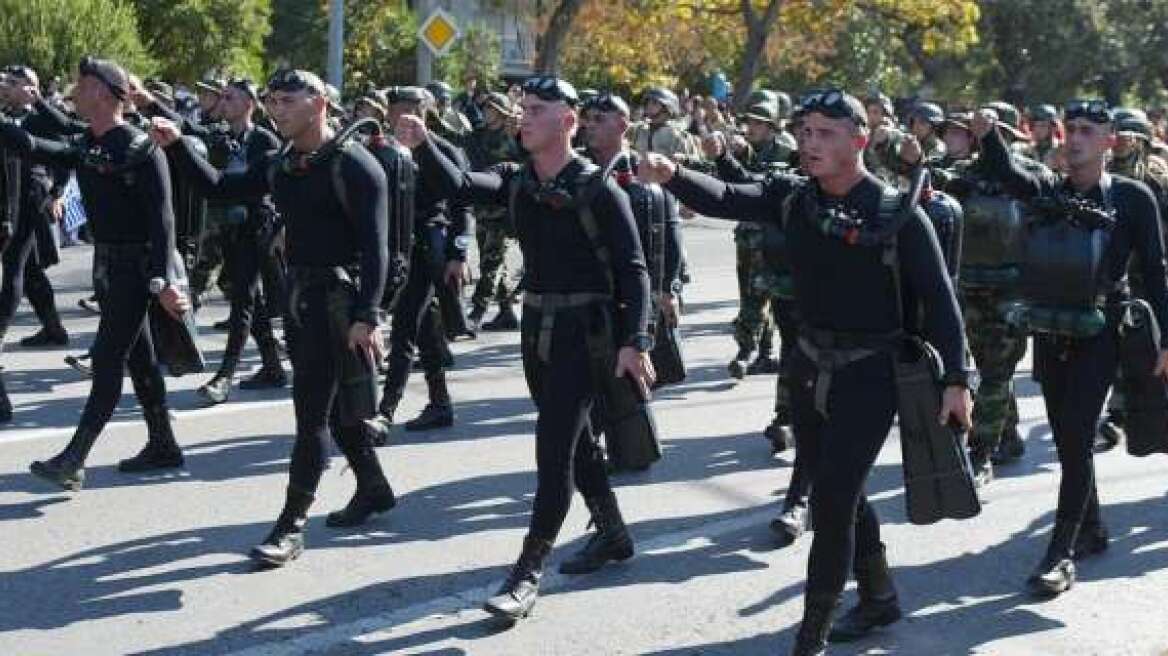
(588, 185)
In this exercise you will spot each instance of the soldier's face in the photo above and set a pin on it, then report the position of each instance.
(655, 111)
(235, 105)
(1124, 145)
(399, 109)
(875, 114)
(91, 96)
(545, 123)
(208, 101)
(295, 112)
(1041, 130)
(494, 118)
(920, 129)
(957, 142)
(829, 146)
(758, 131)
(604, 130)
(1087, 142)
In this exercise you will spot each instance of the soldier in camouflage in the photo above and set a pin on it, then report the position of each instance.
(924, 123)
(879, 156)
(491, 144)
(763, 148)
(1132, 156)
(987, 282)
(1044, 129)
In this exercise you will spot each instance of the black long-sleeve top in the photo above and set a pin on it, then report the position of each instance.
(626, 163)
(433, 208)
(319, 231)
(558, 257)
(1136, 230)
(127, 201)
(839, 287)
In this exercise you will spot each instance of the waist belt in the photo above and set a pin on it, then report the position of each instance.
(313, 277)
(548, 304)
(829, 358)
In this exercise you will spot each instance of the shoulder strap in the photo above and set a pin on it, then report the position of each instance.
(339, 179)
(588, 185)
(514, 184)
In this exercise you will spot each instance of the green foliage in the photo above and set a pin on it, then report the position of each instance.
(188, 38)
(478, 52)
(53, 35)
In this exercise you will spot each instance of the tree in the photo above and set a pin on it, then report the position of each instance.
(52, 35)
(547, 57)
(478, 53)
(191, 37)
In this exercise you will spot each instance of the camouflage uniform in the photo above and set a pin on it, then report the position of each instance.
(757, 282)
(997, 345)
(486, 147)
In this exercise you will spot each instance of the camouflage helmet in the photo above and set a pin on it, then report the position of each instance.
(498, 102)
(785, 105)
(441, 90)
(1134, 123)
(666, 98)
(961, 120)
(928, 112)
(587, 94)
(1008, 119)
(765, 111)
(884, 102)
(1043, 113)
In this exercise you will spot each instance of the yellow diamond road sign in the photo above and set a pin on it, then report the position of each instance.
(439, 32)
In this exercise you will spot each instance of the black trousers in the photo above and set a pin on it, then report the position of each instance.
(564, 389)
(839, 451)
(123, 338)
(22, 272)
(245, 263)
(1075, 375)
(414, 326)
(331, 384)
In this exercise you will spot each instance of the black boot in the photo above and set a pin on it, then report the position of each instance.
(271, 374)
(791, 523)
(1055, 574)
(1010, 447)
(215, 391)
(439, 412)
(286, 541)
(611, 541)
(5, 402)
(66, 469)
(737, 367)
(1111, 431)
(983, 468)
(878, 602)
(765, 363)
(517, 595)
(47, 336)
(505, 320)
(778, 432)
(373, 495)
(161, 450)
(474, 320)
(812, 637)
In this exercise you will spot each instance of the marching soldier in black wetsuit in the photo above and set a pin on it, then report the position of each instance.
(1112, 218)
(580, 247)
(35, 195)
(332, 195)
(858, 299)
(243, 145)
(125, 185)
(441, 237)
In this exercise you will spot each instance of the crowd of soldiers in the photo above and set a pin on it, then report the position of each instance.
(867, 243)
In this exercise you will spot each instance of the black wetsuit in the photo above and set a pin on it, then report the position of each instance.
(1075, 373)
(328, 239)
(564, 278)
(847, 300)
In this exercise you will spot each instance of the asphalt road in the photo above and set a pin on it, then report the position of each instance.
(157, 564)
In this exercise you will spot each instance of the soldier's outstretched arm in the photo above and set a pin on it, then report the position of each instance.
(1018, 181)
(56, 120)
(706, 195)
(44, 151)
(247, 185)
(454, 183)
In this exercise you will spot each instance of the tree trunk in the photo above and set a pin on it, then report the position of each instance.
(757, 31)
(547, 57)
